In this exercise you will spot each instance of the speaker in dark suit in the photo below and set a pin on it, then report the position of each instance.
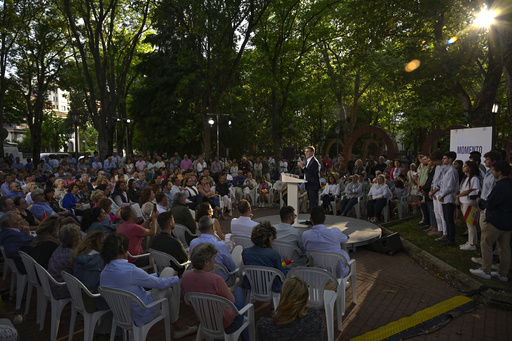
(311, 172)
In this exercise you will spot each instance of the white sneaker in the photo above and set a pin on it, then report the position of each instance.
(468, 247)
(503, 278)
(480, 273)
(462, 245)
(477, 260)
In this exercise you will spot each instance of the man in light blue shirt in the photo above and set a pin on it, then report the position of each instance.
(207, 236)
(448, 188)
(437, 158)
(287, 233)
(320, 238)
(120, 274)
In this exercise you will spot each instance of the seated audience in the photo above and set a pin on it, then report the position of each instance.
(378, 198)
(353, 192)
(21, 207)
(287, 233)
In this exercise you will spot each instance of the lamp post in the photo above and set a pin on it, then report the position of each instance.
(495, 108)
(211, 122)
(83, 142)
(75, 117)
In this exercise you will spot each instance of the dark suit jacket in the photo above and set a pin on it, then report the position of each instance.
(311, 174)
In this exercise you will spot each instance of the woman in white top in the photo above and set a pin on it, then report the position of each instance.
(378, 198)
(467, 197)
(331, 190)
(249, 188)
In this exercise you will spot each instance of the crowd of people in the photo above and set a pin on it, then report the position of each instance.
(121, 202)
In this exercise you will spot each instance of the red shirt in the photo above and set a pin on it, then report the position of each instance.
(208, 283)
(134, 232)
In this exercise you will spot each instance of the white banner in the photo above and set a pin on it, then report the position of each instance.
(465, 141)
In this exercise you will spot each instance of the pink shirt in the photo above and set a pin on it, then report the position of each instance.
(208, 283)
(186, 164)
(140, 165)
(134, 232)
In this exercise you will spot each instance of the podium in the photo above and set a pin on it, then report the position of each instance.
(292, 182)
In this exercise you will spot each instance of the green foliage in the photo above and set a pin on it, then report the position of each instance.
(55, 132)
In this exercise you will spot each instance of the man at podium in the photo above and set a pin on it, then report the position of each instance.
(312, 175)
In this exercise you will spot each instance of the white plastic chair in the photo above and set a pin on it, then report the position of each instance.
(76, 287)
(163, 260)
(7, 268)
(286, 250)
(319, 296)
(147, 267)
(180, 231)
(233, 275)
(357, 207)
(329, 261)
(56, 305)
(120, 302)
(210, 312)
(33, 282)
(402, 206)
(236, 253)
(261, 279)
(18, 280)
(385, 212)
(244, 241)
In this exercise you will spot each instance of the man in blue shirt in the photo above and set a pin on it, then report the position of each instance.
(120, 274)
(320, 238)
(14, 237)
(208, 236)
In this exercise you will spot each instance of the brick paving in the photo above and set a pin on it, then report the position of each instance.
(388, 287)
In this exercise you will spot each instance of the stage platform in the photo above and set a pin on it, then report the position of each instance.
(361, 232)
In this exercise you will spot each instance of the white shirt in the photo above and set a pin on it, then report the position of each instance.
(242, 226)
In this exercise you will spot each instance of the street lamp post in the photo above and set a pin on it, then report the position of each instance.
(211, 122)
(83, 142)
(75, 118)
(495, 108)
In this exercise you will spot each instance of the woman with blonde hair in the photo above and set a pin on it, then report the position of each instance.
(60, 189)
(292, 319)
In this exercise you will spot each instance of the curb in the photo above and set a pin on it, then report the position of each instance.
(486, 295)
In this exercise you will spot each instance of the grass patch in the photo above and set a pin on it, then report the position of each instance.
(453, 256)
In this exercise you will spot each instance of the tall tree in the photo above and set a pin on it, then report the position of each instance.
(41, 50)
(13, 16)
(105, 36)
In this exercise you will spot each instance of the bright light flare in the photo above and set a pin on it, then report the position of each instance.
(452, 40)
(485, 18)
(412, 65)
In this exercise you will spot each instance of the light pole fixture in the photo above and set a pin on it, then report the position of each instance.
(494, 110)
(75, 117)
(211, 122)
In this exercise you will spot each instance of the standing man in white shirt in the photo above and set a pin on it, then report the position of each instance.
(446, 195)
